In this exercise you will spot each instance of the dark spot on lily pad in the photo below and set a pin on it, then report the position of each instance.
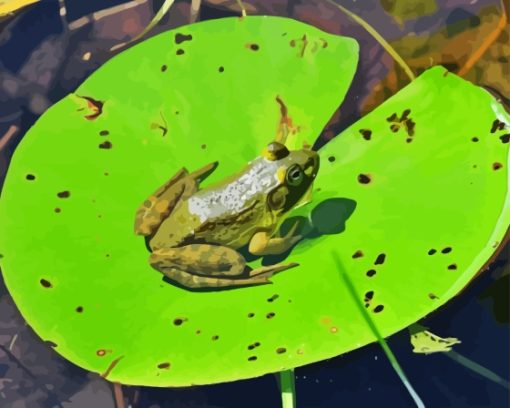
(475, 139)
(497, 125)
(163, 68)
(253, 47)
(45, 283)
(164, 366)
(357, 254)
(369, 296)
(180, 51)
(446, 250)
(505, 138)
(106, 145)
(364, 178)
(64, 194)
(104, 133)
(179, 38)
(432, 296)
(57, 210)
(378, 308)
(180, 320)
(30, 177)
(331, 159)
(50, 343)
(252, 358)
(432, 251)
(371, 273)
(273, 298)
(281, 350)
(215, 337)
(250, 315)
(270, 315)
(380, 259)
(203, 146)
(452, 267)
(221, 69)
(496, 166)
(79, 309)
(367, 134)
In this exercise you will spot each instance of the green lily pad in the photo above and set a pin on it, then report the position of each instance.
(218, 90)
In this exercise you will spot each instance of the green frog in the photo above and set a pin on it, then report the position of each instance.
(194, 234)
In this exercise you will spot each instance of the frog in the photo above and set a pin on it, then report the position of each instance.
(426, 342)
(195, 234)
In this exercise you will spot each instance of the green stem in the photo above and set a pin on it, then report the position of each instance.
(288, 389)
(389, 354)
(378, 37)
(477, 368)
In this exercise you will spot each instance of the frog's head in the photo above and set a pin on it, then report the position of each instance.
(295, 173)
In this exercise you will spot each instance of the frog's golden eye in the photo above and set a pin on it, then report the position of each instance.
(275, 151)
(294, 175)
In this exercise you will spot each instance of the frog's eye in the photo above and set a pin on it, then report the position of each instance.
(294, 175)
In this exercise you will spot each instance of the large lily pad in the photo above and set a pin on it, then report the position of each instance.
(218, 90)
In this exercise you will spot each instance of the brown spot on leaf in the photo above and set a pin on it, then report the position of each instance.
(446, 250)
(273, 298)
(380, 259)
(112, 365)
(180, 51)
(45, 283)
(432, 296)
(505, 138)
(104, 133)
(57, 210)
(64, 194)
(106, 145)
(250, 315)
(253, 46)
(95, 106)
(281, 350)
(221, 69)
(215, 337)
(179, 320)
(333, 329)
(164, 366)
(452, 267)
(371, 273)
(367, 134)
(30, 177)
(357, 254)
(79, 309)
(496, 166)
(475, 139)
(364, 178)
(378, 308)
(369, 296)
(163, 68)
(497, 125)
(179, 38)
(252, 358)
(270, 315)
(331, 159)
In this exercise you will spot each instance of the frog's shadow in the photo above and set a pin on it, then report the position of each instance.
(327, 218)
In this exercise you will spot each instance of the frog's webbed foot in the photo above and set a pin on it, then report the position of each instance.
(262, 244)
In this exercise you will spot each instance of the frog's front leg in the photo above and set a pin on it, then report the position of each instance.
(203, 265)
(261, 242)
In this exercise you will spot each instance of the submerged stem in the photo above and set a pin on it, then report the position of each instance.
(288, 388)
(378, 37)
(389, 354)
(477, 368)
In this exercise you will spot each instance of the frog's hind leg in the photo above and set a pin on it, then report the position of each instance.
(160, 204)
(192, 281)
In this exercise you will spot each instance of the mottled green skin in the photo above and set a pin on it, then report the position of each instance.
(182, 221)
